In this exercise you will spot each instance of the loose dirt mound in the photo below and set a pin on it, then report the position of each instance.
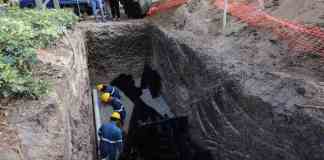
(248, 95)
(308, 11)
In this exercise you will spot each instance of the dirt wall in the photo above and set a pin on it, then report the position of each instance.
(247, 96)
(57, 126)
(237, 110)
(118, 48)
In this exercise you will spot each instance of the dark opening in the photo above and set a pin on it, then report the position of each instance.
(152, 136)
(151, 80)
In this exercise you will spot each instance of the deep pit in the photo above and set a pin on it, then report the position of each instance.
(118, 50)
(227, 119)
(121, 55)
(123, 60)
(227, 107)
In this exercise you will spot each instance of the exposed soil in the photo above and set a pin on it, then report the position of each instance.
(57, 125)
(247, 93)
(247, 96)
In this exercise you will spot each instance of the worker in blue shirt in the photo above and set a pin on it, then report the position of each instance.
(114, 92)
(116, 103)
(111, 138)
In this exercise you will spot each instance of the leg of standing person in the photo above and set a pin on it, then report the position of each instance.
(113, 152)
(112, 8)
(117, 9)
(94, 7)
(108, 9)
(104, 149)
(101, 9)
(124, 4)
(112, 156)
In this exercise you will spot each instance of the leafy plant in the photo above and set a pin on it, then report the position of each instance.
(22, 32)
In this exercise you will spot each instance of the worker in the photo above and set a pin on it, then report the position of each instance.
(94, 6)
(116, 103)
(114, 92)
(114, 7)
(97, 4)
(111, 138)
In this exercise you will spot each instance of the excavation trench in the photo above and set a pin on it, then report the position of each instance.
(230, 108)
(221, 106)
(119, 59)
(122, 56)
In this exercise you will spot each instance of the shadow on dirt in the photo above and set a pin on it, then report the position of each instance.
(152, 136)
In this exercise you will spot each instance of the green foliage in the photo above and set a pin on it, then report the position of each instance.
(22, 32)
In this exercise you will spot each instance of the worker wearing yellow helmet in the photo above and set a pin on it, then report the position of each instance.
(115, 116)
(111, 138)
(114, 92)
(116, 103)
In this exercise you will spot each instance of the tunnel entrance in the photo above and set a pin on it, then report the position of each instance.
(121, 55)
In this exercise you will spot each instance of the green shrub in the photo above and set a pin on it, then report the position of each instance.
(22, 32)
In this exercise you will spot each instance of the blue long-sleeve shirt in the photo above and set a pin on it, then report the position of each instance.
(113, 91)
(118, 107)
(116, 104)
(111, 140)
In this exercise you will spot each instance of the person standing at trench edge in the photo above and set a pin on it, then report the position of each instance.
(107, 98)
(114, 5)
(111, 138)
(95, 4)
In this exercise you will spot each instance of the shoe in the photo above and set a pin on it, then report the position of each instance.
(97, 19)
(109, 18)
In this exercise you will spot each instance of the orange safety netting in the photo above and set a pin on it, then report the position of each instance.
(299, 37)
(165, 5)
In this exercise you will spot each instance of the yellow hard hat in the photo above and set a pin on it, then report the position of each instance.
(99, 87)
(115, 115)
(105, 97)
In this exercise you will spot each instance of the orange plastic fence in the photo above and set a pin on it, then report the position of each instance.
(300, 38)
(166, 5)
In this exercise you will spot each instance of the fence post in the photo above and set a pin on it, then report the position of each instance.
(225, 14)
